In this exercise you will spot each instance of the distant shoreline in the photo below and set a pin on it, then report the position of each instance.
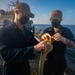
(8, 17)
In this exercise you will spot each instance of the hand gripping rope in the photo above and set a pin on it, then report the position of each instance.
(42, 59)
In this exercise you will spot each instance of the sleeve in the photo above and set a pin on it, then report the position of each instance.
(68, 34)
(12, 54)
(31, 39)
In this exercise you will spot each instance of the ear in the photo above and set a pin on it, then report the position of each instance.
(16, 11)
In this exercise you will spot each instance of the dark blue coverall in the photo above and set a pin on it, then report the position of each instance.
(16, 47)
(56, 62)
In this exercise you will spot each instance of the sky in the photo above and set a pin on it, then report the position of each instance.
(42, 10)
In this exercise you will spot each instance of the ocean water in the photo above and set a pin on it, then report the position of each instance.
(40, 27)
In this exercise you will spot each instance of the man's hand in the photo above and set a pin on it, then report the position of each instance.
(45, 36)
(41, 46)
(57, 37)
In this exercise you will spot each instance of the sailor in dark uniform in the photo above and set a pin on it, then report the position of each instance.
(17, 44)
(62, 36)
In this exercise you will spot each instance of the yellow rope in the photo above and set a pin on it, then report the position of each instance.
(40, 63)
(41, 60)
(41, 57)
(34, 73)
(50, 41)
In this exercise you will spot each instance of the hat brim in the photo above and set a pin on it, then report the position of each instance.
(56, 18)
(28, 13)
(31, 15)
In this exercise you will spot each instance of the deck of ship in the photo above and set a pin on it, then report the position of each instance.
(70, 70)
